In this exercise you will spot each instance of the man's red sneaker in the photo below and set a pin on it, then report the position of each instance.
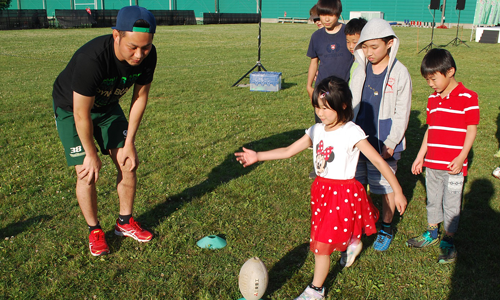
(133, 230)
(97, 243)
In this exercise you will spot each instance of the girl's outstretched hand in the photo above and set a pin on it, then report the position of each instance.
(247, 157)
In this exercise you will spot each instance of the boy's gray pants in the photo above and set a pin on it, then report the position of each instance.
(444, 198)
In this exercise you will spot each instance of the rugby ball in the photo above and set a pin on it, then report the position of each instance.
(253, 279)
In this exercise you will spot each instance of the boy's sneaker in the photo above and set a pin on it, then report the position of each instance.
(311, 294)
(97, 243)
(448, 253)
(347, 257)
(383, 241)
(423, 240)
(133, 230)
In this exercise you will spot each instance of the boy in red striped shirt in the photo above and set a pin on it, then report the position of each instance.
(452, 118)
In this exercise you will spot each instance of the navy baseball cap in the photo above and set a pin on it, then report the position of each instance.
(128, 15)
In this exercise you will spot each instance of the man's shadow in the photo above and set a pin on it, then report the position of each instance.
(477, 268)
(16, 228)
(228, 170)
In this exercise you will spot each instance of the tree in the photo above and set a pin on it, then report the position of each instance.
(4, 4)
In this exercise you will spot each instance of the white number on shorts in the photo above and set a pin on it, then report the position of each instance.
(76, 149)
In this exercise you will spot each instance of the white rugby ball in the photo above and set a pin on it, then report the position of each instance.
(253, 279)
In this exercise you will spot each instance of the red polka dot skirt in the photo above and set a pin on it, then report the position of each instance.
(341, 212)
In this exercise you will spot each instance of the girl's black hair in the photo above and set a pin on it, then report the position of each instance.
(337, 96)
(329, 7)
(437, 60)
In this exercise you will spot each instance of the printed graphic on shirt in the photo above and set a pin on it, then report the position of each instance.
(111, 89)
(390, 85)
(332, 51)
(323, 156)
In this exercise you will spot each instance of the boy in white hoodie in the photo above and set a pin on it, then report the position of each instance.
(381, 89)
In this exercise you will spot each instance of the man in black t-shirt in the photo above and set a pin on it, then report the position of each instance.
(86, 96)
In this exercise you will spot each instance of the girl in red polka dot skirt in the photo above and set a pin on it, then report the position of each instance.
(341, 210)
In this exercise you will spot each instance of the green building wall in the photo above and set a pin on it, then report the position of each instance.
(416, 10)
(394, 10)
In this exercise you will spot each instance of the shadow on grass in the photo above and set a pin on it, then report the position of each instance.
(477, 269)
(290, 264)
(330, 279)
(228, 170)
(287, 85)
(18, 227)
(286, 267)
(497, 134)
(414, 136)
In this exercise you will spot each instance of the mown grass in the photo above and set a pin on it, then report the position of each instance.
(190, 185)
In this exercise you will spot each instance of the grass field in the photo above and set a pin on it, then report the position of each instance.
(190, 185)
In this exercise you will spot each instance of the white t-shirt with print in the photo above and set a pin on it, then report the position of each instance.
(334, 153)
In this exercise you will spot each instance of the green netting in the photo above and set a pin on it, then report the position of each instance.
(487, 12)
(23, 19)
(68, 18)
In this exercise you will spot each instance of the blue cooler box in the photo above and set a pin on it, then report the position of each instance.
(265, 81)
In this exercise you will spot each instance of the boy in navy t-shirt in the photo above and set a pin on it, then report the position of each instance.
(328, 46)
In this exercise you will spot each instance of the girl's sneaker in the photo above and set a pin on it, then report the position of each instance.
(422, 241)
(311, 294)
(496, 173)
(347, 257)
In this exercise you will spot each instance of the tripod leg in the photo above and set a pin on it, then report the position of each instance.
(256, 65)
(429, 46)
(462, 42)
(450, 42)
(456, 41)
(426, 48)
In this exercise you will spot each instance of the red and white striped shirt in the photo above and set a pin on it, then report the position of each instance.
(448, 119)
